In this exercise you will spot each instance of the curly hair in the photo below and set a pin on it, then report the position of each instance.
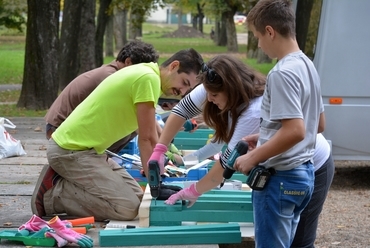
(239, 82)
(139, 52)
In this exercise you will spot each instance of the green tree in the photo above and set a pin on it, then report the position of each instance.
(12, 13)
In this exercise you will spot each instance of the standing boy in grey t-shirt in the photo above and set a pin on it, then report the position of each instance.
(290, 115)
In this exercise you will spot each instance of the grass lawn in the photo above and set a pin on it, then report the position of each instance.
(12, 49)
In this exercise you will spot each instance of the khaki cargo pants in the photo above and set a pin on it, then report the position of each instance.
(91, 185)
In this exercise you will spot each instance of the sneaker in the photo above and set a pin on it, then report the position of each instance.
(47, 179)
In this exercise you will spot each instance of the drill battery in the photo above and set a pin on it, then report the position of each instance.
(259, 176)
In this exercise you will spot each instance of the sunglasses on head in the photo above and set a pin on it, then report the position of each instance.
(211, 74)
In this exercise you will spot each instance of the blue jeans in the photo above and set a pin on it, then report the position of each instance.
(278, 206)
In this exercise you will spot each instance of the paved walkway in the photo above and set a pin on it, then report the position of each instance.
(4, 87)
(18, 176)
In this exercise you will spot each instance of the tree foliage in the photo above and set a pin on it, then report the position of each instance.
(12, 13)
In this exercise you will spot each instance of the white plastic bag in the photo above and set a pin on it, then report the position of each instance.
(9, 146)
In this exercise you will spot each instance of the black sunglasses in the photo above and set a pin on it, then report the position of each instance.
(211, 74)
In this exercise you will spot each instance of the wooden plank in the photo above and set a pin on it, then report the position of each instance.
(200, 234)
(169, 238)
(24, 160)
(18, 174)
(213, 206)
(202, 216)
(144, 209)
(227, 192)
(193, 228)
(205, 204)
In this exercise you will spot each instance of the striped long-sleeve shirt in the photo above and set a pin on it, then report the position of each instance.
(247, 123)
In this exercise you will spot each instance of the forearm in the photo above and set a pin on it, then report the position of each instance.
(212, 179)
(284, 139)
(146, 147)
(172, 126)
(208, 150)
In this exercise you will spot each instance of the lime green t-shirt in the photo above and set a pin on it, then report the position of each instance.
(109, 112)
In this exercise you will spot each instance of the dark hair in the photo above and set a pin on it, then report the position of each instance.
(278, 14)
(138, 52)
(225, 73)
(190, 61)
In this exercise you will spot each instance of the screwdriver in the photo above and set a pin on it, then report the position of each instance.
(241, 148)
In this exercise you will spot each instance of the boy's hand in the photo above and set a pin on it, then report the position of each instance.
(252, 141)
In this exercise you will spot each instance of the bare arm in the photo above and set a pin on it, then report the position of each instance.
(172, 126)
(322, 123)
(212, 179)
(147, 131)
(291, 132)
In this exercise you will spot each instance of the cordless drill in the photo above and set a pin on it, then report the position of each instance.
(241, 148)
(154, 179)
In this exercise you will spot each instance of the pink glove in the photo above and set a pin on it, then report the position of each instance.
(52, 234)
(158, 155)
(68, 234)
(191, 194)
(34, 224)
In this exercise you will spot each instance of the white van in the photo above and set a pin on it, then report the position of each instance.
(342, 58)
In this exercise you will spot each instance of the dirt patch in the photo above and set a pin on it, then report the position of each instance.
(345, 219)
(185, 32)
(12, 38)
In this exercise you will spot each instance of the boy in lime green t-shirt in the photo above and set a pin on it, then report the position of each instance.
(122, 103)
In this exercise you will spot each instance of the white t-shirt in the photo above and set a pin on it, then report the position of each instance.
(322, 151)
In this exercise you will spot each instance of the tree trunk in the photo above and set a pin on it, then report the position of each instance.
(68, 50)
(40, 77)
(135, 27)
(232, 42)
(99, 36)
(194, 21)
(303, 14)
(262, 57)
(120, 28)
(179, 19)
(221, 27)
(312, 29)
(109, 38)
(200, 23)
(200, 17)
(86, 41)
(252, 46)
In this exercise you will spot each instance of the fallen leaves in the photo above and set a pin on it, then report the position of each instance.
(38, 129)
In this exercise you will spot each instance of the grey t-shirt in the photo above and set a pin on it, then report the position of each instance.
(292, 91)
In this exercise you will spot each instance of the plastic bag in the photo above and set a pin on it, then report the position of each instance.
(9, 146)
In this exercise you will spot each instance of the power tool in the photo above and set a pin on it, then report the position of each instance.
(154, 179)
(241, 148)
(190, 125)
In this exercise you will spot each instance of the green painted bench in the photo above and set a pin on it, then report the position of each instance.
(213, 206)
